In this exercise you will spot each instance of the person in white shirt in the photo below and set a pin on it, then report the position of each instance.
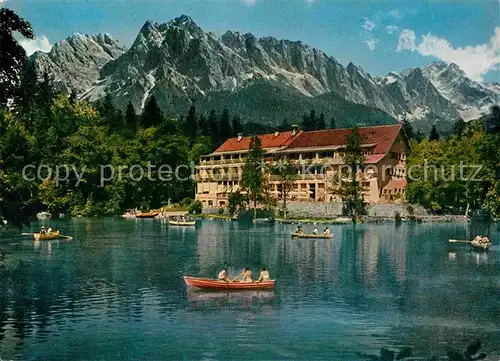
(315, 230)
(264, 275)
(223, 275)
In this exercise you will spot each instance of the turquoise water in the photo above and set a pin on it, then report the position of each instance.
(115, 292)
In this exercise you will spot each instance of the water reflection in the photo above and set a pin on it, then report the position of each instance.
(370, 286)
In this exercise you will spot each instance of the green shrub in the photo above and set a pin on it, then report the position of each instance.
(186, 202)
(195, 207)
(397, 218)
(221, 211)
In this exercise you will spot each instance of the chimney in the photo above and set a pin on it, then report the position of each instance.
(294, 130)
(240, 136)
(276, 133)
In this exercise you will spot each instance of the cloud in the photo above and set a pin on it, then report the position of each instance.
(41, 43)
(249, 2)
(392, 28)
(396, 14)
(474, 60)
(406, 40)
(309, 2)
(4, 1)
(368, 25)
(370, 43)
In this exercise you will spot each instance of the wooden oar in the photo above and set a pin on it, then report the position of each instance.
(235, 278)
(458, 241)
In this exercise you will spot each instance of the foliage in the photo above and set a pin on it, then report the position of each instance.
(220, 211)
(12, 54)
(397, 218)
(253, 181)
(286, 175)
(434, 135)
(195, 207)
(236, 202)
(447, 175)
(353, 203)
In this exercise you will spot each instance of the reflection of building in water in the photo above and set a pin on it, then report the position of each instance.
(312, 260)
(367, 257)
(212, 248)
(233, 245)
(396, 251)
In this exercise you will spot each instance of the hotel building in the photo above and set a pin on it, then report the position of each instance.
(317, 158)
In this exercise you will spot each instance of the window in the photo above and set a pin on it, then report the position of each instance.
(303, 186)
(210, 203)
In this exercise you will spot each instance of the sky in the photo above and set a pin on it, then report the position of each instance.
(378, 36)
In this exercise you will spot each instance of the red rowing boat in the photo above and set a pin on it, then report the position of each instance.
(208, 283)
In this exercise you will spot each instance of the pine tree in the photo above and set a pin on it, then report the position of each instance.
(321, 124)
(131, 117)
(353, 203)
(236, 126)
(459, 127)
(203, 124)
(213, 127)
(434, 135)
(333, 123)
(225, 126)
(309, 121)
(191, 126)
(152, 115)
(313, 121)
(284, 126)
(408, 129)
(253, 180)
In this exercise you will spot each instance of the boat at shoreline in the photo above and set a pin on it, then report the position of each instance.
(152, 214)
(46, 236)
(312, 236)
(208, 283)
(42, 216)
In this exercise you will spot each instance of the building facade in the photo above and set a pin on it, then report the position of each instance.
(317, 157)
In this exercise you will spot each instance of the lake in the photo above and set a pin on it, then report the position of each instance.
(115, 292)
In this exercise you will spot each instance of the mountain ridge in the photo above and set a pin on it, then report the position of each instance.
(180, 63)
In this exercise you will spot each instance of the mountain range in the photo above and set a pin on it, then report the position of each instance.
(262, 79)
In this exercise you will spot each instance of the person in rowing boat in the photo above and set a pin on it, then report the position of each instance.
(326, 232)
(49, 231)
(223, 275)
(246, 274)
(42, 230)
(264, 275)
(299, 229)
(315, 230)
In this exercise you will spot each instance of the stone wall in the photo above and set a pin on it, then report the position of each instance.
(331, 210)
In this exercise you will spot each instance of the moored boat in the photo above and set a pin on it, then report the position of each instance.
(147, 215)
(46, 236)
(480, 245)
(43, 216)
(318, 236)
(182, 223)
(208, 283)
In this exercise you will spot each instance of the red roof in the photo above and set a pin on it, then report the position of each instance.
(268, 141)
(383, 136)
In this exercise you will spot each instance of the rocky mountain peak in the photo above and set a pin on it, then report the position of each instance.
(74, 63)
(177, 62)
